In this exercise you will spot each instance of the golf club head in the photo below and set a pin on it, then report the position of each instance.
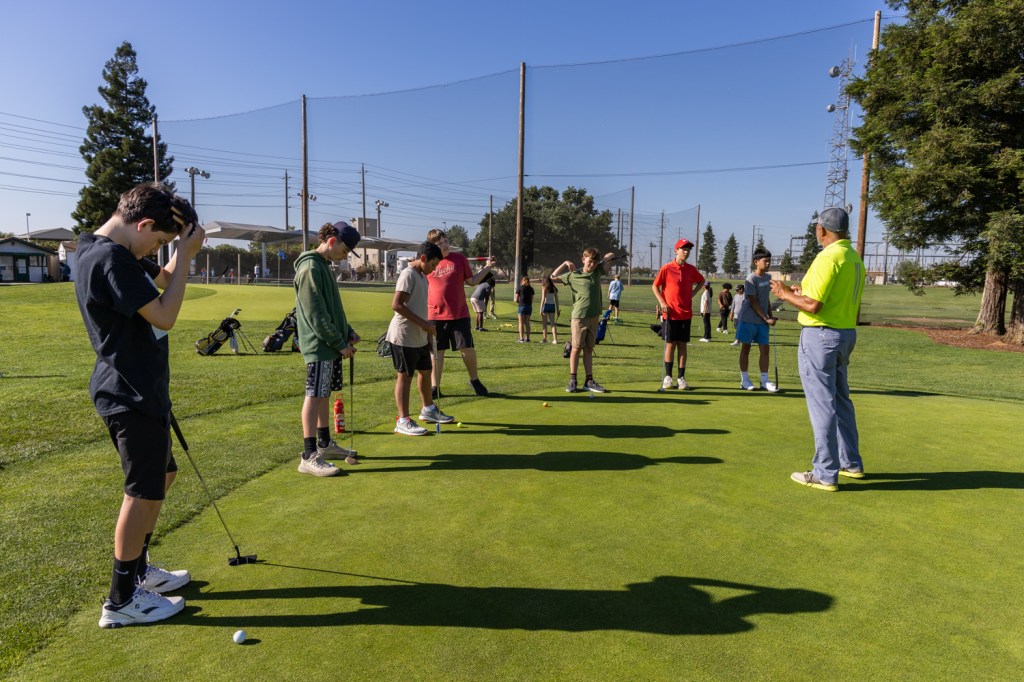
(242, 559)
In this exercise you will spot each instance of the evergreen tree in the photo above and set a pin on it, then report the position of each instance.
(708, 247)
(458, 237)
(786, 266)
(760, 244)
(731, 257)
(117, 148)
(944, 123)
(811, 245)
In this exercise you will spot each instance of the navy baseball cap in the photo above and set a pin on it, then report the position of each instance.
(348, 235)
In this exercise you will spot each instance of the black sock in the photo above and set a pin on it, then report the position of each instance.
(682, 372)
(122, 581)
(323, 436)
(140, 571)
(308, 447)
(668, 368)
(573, 377)
(590, 377)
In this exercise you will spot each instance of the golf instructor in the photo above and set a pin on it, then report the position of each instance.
(828, 299)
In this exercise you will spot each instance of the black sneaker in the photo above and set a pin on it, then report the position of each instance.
(594, 387)
(480, 389)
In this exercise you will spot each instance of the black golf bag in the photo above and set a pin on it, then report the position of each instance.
(211, 343)
(276, 340)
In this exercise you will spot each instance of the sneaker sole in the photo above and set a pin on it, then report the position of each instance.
(322, 473)
(431, 420)
(406, 433)
(118, 620)
(851, 474)
(817, 486)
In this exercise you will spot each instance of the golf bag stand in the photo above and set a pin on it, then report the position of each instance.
(228, 330)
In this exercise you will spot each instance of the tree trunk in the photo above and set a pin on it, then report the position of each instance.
(1015, 333)
(992, 316)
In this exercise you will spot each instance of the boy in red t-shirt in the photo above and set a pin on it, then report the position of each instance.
(675, 286)
(447, 309)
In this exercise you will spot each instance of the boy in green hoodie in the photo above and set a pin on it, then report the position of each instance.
(325, 338)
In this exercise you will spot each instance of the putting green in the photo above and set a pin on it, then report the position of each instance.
(633, 535)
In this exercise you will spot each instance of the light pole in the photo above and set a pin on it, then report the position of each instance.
(192, 173)
(28, 232)
(380, 204)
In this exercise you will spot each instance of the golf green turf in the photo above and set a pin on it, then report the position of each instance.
(633, 535)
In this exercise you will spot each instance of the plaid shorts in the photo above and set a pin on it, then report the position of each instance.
(323, 377)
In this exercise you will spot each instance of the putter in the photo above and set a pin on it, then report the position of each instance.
(351, 402)
(775, 354)
(238, 559)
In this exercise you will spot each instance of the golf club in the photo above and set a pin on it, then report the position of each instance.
(351, 402)
(775, 354)
(238, 559)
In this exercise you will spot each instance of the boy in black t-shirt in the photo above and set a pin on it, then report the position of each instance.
(127, 320)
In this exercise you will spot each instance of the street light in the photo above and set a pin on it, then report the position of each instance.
(192, 173)
(380, 204)
(28, 232)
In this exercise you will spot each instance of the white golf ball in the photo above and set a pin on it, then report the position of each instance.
(239, 636)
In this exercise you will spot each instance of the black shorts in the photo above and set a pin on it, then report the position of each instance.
(453, 334)
(411, 359)
(323, 377)
(144, 444)
(614, 302)
(676, 331)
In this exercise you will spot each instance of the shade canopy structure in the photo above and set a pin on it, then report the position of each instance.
(387, 244)
(218, 229)
(56, 234)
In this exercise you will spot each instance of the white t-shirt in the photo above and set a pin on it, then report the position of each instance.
(402, 332)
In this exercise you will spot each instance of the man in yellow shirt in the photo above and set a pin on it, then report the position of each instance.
(828, 299)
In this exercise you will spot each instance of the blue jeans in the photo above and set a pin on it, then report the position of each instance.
(824, 358)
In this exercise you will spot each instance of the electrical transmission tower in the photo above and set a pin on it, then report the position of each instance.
(835, 187)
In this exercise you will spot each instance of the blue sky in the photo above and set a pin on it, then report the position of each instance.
(227, 82)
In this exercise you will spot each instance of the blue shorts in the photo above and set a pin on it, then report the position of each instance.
(751, 333)
(526, 310)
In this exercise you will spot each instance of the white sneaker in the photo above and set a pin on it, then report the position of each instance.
(746, 385)
(316, 466)
(770, 387)
(667, 383)
(703, 340)
(158, 581)
(334, 451)
(409, 428)
(735, 343)
(433, 414)
(682, 384)
(143, 607)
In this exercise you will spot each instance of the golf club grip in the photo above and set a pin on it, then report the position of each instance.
(177, 432)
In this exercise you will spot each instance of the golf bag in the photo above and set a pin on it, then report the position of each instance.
(602, 327)
(213, 341)
(276, 340)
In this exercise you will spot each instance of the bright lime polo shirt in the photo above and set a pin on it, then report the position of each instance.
(836, 278)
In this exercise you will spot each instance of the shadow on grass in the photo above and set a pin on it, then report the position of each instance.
(545, 461)
(632, 431)
(667, 605)
(612, 396)
(940, 480)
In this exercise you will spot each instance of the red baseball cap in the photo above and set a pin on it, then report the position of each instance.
(684, 244)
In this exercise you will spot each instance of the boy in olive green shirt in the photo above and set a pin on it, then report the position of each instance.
(585, 285)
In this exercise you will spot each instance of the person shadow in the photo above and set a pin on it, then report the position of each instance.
(630, 431)
(939, 480)
(572, 460)
(666, 605)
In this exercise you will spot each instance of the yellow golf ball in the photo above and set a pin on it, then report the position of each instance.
(460, 425)
(546, 405)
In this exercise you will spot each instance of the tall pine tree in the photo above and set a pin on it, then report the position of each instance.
(786, 266)
(708, 247)
(811, 245)
(117, 148)
(731, 257)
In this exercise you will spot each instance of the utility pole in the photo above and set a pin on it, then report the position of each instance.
(522, 139)
(862, 219)
(490, 229)
(632, 201)
(305, 181)
(286, 225)
(652, 245)
(661, 239)
(362, 167)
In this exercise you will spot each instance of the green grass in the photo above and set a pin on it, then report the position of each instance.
(633, 535)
